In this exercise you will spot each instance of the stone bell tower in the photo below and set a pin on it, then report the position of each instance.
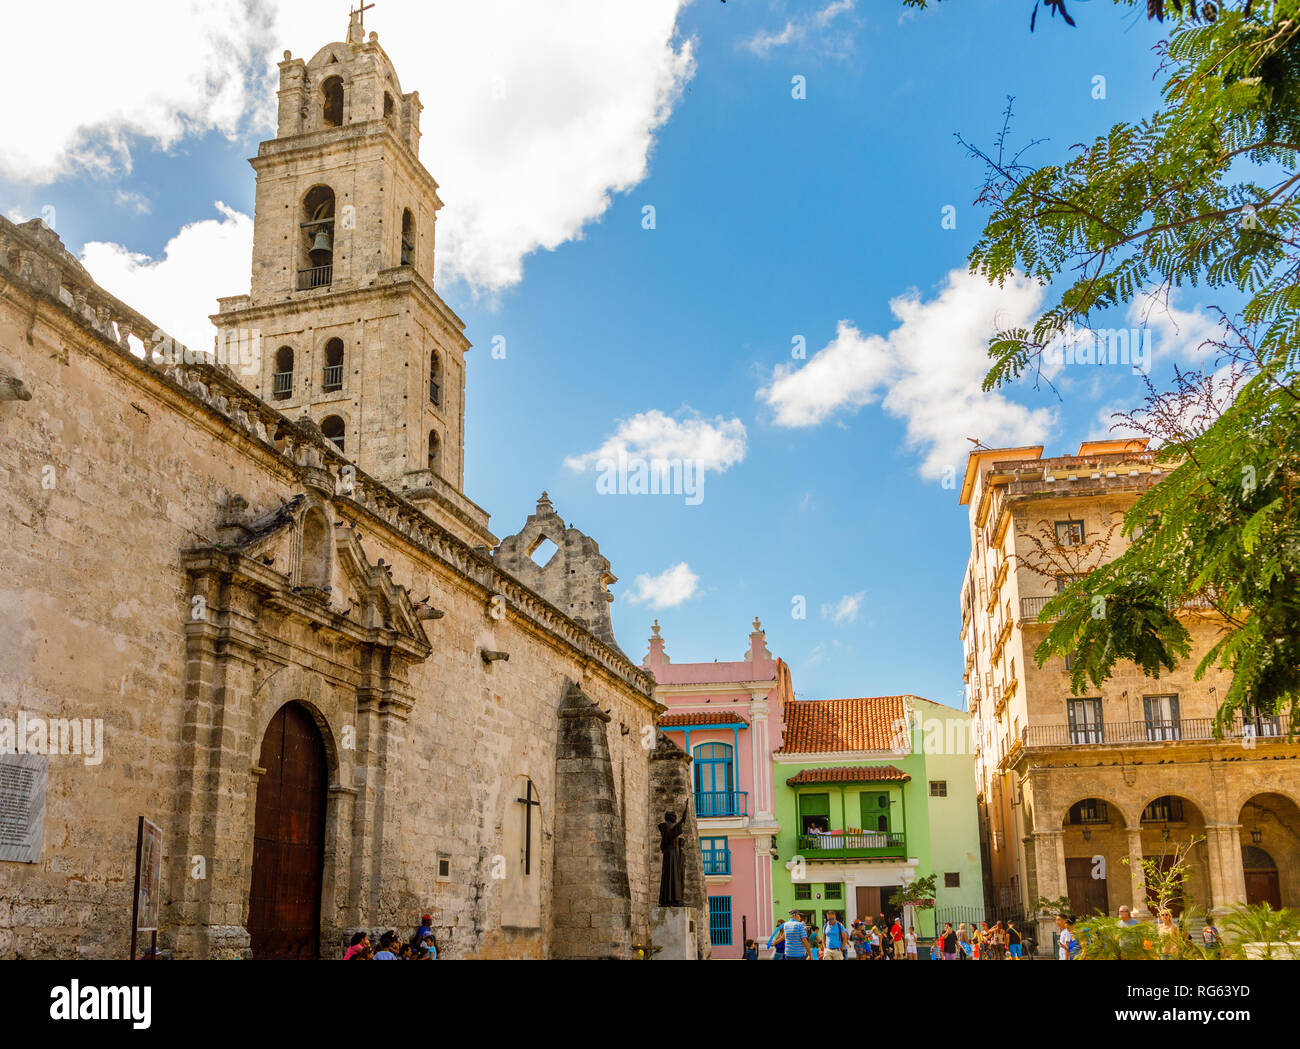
(351, 330)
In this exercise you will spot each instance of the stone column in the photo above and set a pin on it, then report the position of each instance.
(1049, 864)
(1227, 878)
(1137, 879)
(214, 817)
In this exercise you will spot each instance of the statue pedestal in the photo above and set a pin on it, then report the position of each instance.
(673, 929)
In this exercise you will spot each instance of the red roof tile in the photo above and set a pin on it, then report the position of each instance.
(850, 774)
(703, 717)
(817, 726)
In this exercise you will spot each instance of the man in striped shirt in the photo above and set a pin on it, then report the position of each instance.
(795, 936)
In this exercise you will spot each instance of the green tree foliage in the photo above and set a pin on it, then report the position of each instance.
(1206, 192)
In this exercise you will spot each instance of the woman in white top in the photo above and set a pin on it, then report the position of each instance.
(911, 944)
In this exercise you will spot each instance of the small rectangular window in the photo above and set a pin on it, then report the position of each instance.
(444, 867)
(803, 892)
(938, 788)
(952, 881)
(833, 892)
(1069, 533)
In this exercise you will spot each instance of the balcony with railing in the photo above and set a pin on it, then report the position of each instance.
(834, 845)
(435, 392)
(1155, 730)
(315, 277)
(281, 385)
(721, 804)
(333, 378)
(717, 861)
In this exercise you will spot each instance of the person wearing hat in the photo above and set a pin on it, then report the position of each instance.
(424, 930)
(794, 934)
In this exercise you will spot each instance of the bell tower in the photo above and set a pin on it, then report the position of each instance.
(342, 302)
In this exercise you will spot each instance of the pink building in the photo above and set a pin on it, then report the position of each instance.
(728, 718)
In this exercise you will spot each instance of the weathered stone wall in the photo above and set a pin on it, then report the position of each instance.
(96, 620)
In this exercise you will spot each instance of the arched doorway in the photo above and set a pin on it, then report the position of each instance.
(1270, 849)
(1096, 845)
(289, 839)
(1262, 883)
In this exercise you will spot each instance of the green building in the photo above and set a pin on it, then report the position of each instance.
(871, 794)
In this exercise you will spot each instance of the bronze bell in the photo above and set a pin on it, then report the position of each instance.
(322, 242)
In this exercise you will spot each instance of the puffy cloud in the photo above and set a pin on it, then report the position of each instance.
(716, 444)
(846, 609)
(672, 587)
(535, 114)
(178, 291)
(927, 371)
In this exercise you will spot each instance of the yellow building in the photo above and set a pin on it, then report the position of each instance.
(1070, 787)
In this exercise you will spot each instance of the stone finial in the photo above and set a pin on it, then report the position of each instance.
(357, 25)
(758, 627)
(654, 629)
(544, 505)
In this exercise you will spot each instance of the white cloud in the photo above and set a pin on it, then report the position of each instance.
(846, 609)
(716, 444)
(816, 27)
(1176, 334)
(672, 587)
(132, 201)
(927, 371)
(177, 292)
(535, 114)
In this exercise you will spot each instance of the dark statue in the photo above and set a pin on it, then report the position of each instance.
(672, 875)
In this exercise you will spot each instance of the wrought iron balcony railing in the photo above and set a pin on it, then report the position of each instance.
(1167, 730)
(282, 385)
(333, 379)
(863, 844)
(713, 804)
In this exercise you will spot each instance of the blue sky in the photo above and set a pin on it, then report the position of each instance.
(775, 218)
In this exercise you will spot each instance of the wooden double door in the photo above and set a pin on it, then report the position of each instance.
(289, 839)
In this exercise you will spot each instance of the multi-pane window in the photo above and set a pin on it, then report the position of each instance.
(1085, 720)
(952, 881)
(1164, 810)
(1091, 810)
(716, 855)
(938, 788)
(1069, 533)
(803, 892)
(1162, 717)
(833, 892)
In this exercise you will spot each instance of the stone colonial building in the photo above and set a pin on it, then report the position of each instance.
(1072, 786)
(260, 576)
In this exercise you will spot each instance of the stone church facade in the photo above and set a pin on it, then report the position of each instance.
(261, 574)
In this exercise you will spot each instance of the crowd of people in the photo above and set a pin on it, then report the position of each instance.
(881, 940)
(421, 947)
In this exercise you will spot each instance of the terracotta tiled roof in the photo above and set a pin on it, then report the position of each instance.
(703, 717)
(850, 774)
(816, 726)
